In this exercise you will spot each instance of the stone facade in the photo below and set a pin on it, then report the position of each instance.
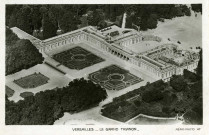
(153, 61)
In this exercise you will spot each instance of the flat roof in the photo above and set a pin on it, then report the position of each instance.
(143, 46)
(179, 60)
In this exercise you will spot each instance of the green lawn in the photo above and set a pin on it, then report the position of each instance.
(32, 81)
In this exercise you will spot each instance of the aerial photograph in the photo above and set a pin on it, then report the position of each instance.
(103, 64)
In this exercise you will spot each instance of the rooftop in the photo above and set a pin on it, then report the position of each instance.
(143, 46)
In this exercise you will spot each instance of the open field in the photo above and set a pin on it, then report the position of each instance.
(186, 29)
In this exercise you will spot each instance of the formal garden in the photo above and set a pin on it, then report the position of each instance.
(182, 95)
(114, 77)
(77, 58)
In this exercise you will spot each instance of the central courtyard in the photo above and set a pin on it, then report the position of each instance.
(77, 58)
(114, 77)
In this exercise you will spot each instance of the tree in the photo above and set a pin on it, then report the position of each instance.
(152, 21)
(12, 21)
(191, 117)
(11, 38)
(57, 11)
(47, 106)
(36, 17)
(152, 96)
(22, 55)
(28, 17)
(49, 26)
(199, 66)
(95, 17)
(190, 75)
(166, 109)
(68, 22)
(197, 7)
(23, 19)
(178, 83)
(186, 10)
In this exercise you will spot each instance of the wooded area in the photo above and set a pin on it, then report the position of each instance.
(181, 95)
(47, 106)
(20, 53)
(65, 18)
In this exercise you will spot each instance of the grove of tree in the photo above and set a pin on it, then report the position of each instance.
(70, 17)
(20, 53)
(47, 106)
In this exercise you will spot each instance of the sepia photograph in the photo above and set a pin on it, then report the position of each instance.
(103, 64)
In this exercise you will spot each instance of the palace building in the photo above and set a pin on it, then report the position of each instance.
(147, 52)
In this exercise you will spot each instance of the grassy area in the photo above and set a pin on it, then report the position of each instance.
(32, 81)
(77, 58)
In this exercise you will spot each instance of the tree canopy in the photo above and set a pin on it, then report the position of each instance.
(178, 83)
(47, 106)
(70, 17)
(199, 66)
(197, 7)
(20, 53)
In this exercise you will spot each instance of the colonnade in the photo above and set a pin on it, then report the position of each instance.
(118, 54)
(190, 67)
(151, 38)
(149, 68)
(160, 53)
(61, 41)
(130, 41)
(145, 64)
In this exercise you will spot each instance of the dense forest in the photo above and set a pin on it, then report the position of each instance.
(181, 95)
(197, 7)
(47, 106)
(20, 53)
(45, 21)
